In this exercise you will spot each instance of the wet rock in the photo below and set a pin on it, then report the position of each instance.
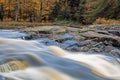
(44, 32)
(64, 37)
(67, 36)
(95, 26)
(84, 43)
(97, 44)
(70, 45)
(77, 36)
(109, 48)
(84, 49)
(90, 49)
(45, 29)
(86, 30)
(98, 26)
(28, 37)
(71, 29)
(93, 46)
(102, 37)
(92, 39)
(88, 45)
(48, 42)
(73, 48)
(103, 32)
(115, 52)
(95, 49)
(115, 32)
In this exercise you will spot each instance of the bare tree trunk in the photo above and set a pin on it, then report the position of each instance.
(1, 12)
(41, 10)
(17, 7)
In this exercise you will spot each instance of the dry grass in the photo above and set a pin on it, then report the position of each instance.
(107, 21)
(14, 25)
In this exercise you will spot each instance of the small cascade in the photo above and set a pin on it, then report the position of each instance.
(30, 60)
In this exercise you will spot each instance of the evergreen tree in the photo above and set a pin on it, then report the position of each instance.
(79, 14)
(116, 14)
(55, 11)
(69, 10)
(100, 8)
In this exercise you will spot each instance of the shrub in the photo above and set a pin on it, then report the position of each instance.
(106, 21)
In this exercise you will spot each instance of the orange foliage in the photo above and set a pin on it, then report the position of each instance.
(106, 21)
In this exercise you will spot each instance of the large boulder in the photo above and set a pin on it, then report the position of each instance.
(115, 40)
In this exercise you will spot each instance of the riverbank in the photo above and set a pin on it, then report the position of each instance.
(90, 38)
(14, 25)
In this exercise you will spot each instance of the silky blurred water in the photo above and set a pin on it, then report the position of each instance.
(12, 34)
(31, 60)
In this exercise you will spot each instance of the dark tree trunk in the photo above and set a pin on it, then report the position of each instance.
(1, 12)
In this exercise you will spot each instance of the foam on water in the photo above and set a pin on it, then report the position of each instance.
(29, 60)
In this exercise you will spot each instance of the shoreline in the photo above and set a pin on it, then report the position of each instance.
(92, 38)
(20, 25)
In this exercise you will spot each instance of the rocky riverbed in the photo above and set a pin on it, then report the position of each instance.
(91, 39)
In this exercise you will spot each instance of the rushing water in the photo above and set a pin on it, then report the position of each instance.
(30, 60)
(13, 34)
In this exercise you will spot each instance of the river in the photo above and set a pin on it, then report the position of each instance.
(31, 60)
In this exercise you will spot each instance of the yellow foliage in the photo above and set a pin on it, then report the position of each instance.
(1, 1)
(28, 8)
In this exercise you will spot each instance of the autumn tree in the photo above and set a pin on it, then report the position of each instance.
(82, 11)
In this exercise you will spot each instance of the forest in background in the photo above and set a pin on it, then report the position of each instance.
(81, 11)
